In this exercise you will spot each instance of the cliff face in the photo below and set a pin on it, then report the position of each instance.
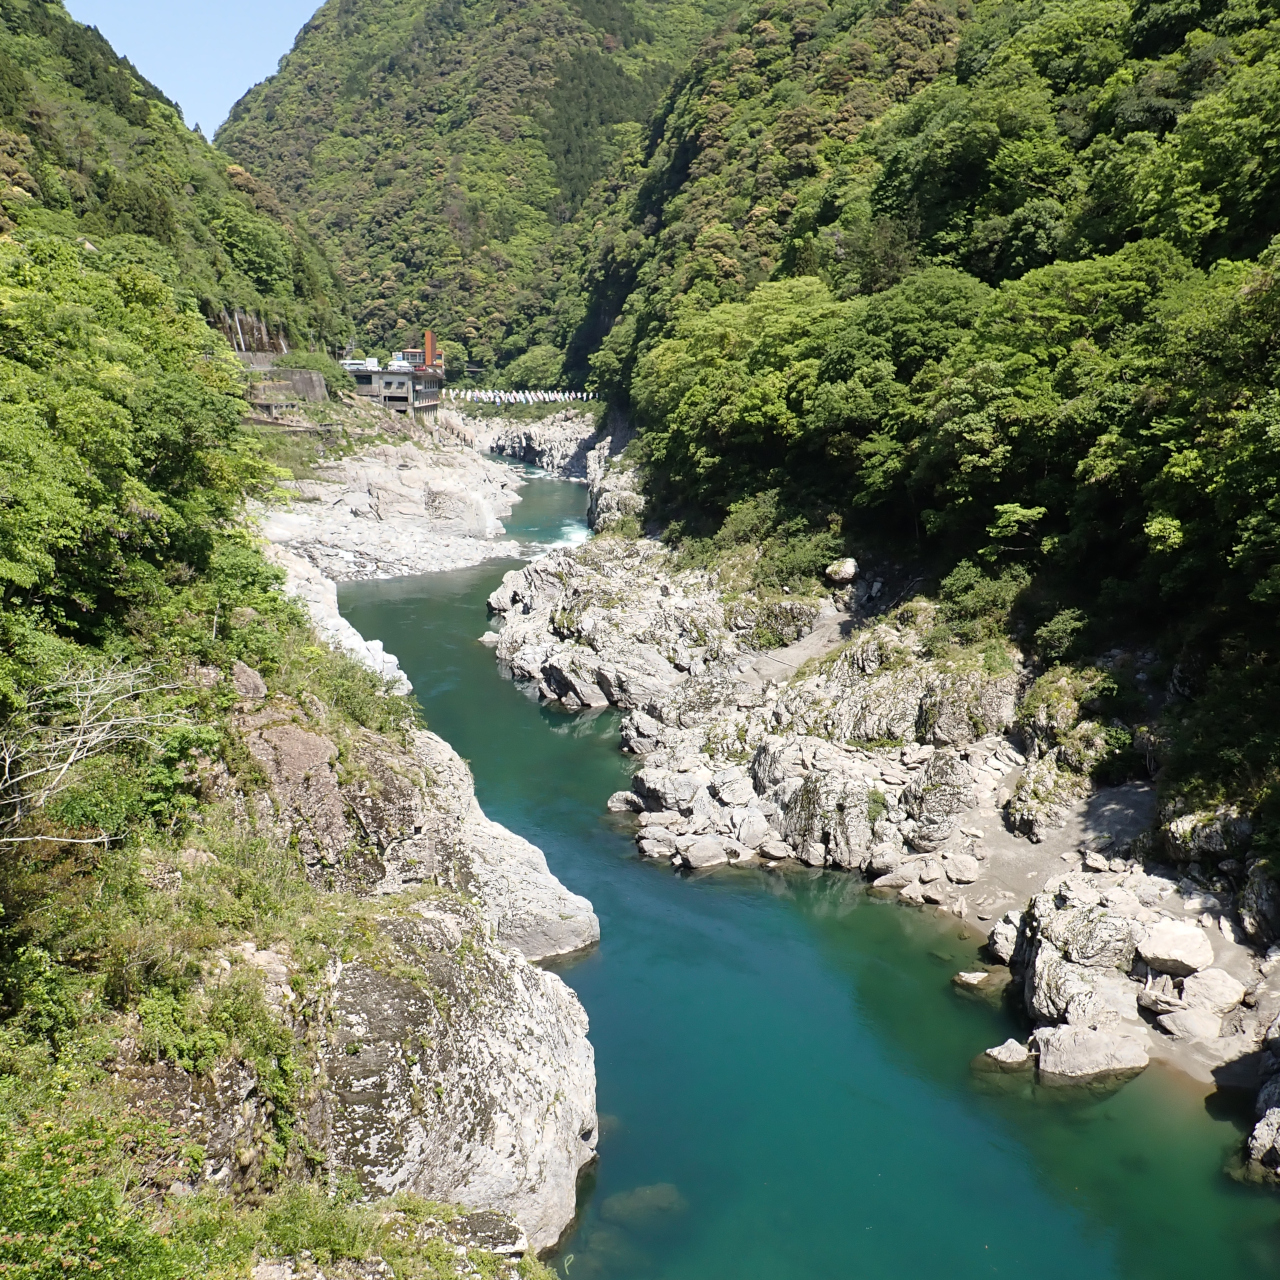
(442, 1061)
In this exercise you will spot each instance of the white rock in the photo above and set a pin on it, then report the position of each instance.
(1191, 1024)
(752, 829)
(1176, 947)
(706, 851)
(971, 978)
(776, 850)
(490, 638)
(525, 905)
(961, 869)
(320, 595)
(1213, 989)
(1003, 939)
(843, 572)
(1079, 1053)
(1013, 1053)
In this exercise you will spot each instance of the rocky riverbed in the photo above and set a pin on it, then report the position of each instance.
(397, 510)
(956, 780)
(571, 445)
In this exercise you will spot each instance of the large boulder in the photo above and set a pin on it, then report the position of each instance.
(466, 1082)
(1213, 989)
(1005, 935)
(1075, 1054)
(1177, 947)
(1264, 1143)
(934, 796)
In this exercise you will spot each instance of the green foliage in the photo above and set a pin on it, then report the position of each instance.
(877, 805)
(120, 442)
(1055, 639)
(541, 367)
(443, 154)
(63, 1201)
(975, 607)
(336, 378)
(89, 149)
(196, 1029)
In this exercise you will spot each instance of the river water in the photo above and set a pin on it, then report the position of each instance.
(784, 1087)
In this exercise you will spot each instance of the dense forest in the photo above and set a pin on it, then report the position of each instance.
(441, 153)
(990, 287)
(89, 150)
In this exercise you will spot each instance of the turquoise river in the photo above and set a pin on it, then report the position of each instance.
(784, 1080)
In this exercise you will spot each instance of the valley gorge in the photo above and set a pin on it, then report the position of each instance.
(636, 639)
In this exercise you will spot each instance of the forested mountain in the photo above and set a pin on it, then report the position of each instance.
(90, 149)
(993, 287)
(438, 148)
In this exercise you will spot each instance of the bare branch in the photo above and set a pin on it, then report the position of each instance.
(82, 713)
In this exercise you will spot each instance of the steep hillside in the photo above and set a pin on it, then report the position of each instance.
(993, 289)
(858, 142)
(169, 889)
(438, 147)
(89, 149)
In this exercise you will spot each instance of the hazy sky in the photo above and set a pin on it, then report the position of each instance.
(202, 53)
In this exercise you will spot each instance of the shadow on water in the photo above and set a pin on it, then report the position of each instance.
(783, 1065)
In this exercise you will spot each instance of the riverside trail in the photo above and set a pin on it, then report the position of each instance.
(783, 1070)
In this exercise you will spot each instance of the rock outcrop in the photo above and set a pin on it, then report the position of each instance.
(616, 487)
(445, 1062)
(460, 1072)
(320, 596)
(560, 443)
(397, 510)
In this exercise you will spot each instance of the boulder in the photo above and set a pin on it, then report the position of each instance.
(1268, 1096)
(1260, 905)
(934, 796)
(1264, 1142)
(1090, 935)
(732, 787)
(1214, 990)
(962, 868)
(1013, 1055)
(1176, 947)
(775, 849)
(1191, 1024)
(842, 572)
(1073, 1054)
(247, 682)
(883, 859)
(751, 828)
(706, 851)
(624, 802)
(1003, 939)
(929, 870)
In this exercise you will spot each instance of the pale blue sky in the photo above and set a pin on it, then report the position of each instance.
(204, 54)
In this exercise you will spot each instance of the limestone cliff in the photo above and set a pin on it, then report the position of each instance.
(441, 1059)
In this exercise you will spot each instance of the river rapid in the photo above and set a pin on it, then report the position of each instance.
(783, 1065)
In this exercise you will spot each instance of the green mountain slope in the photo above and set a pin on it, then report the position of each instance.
(89, 148)
(992, 288)
(438, 148)
(857, 142)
